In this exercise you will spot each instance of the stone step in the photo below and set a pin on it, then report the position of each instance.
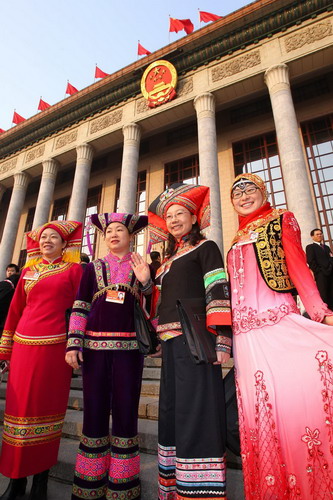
(148, 407)
(153, 362)
(151, 373)
(150, 388)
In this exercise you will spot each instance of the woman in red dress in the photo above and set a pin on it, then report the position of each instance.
(33, 345)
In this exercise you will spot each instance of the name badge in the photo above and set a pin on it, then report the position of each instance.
(115, 296)
(31, 275)
(251, 238)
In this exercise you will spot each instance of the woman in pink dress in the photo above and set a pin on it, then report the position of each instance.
(284, 370)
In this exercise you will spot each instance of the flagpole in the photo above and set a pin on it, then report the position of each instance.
(199, 17)
(169, 29)
(137, 52)
(95, 73)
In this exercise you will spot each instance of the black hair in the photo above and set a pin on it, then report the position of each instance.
(154, 255)
(193, 237)
(314, 230)
(84, 258)
(17, 269)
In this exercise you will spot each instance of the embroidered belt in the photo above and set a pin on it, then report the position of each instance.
(169, 330)
(114, 345)
(169, 326)
(90, 333)
(119, 286)
(45, 340)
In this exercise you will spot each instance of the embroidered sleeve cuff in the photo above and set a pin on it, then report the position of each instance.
(6, 344)
(148, 288)
(74, 344)
(221, 317)
(223, 344)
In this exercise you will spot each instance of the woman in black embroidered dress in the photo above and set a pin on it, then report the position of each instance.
(191, 450)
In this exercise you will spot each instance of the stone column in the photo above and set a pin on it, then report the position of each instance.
(209, 170)
(129, 168)
(12, 220)
(293, 165)
(78, 203)
(45, 195)
(2, 191)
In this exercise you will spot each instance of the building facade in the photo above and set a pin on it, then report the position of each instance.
(254, 93)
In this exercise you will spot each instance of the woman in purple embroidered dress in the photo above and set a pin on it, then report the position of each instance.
(102, 338)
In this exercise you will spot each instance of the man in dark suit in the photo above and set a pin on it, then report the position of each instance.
(320, 260)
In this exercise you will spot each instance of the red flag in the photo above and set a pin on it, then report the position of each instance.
(99, 73)
(70, 89)
(181, 24)
(2, 131)
(17, 118)
(42, 106)
(205, 17)
(142, 51)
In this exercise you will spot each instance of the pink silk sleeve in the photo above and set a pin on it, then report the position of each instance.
(299, 271)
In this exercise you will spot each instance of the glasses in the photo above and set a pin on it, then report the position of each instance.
(236, 195)
(177, 215)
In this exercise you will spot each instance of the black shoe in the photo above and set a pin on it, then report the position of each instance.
(15, 489)
(39, 486)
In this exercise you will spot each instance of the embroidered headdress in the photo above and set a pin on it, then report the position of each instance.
(133, 222)
(258, 217)
(70, 231)
(193, 197)
(242, 180)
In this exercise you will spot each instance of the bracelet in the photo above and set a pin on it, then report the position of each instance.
(221, 339)
(222, 348)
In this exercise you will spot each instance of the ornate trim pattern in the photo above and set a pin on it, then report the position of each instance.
(308, 35)
(8, 165)
(185, 87)
(106, 121)
(35, 153)
(66, 139)
(237, 65)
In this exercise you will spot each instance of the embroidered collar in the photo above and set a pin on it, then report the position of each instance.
(261, 220)
(48, 263)
(187, 248)
(113, 259)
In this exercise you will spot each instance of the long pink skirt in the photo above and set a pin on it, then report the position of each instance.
(284, 376)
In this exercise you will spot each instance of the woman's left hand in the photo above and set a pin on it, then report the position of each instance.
(222, 357)
(140, 268)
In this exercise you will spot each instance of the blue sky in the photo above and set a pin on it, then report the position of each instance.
(45, 43)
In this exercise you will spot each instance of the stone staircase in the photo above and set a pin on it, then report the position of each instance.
(148, 414)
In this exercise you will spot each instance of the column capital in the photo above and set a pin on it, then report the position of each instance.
(204, 104)
(50, 168)
(132, 132)
(277, 78)
(21, 180)
(84, 152)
